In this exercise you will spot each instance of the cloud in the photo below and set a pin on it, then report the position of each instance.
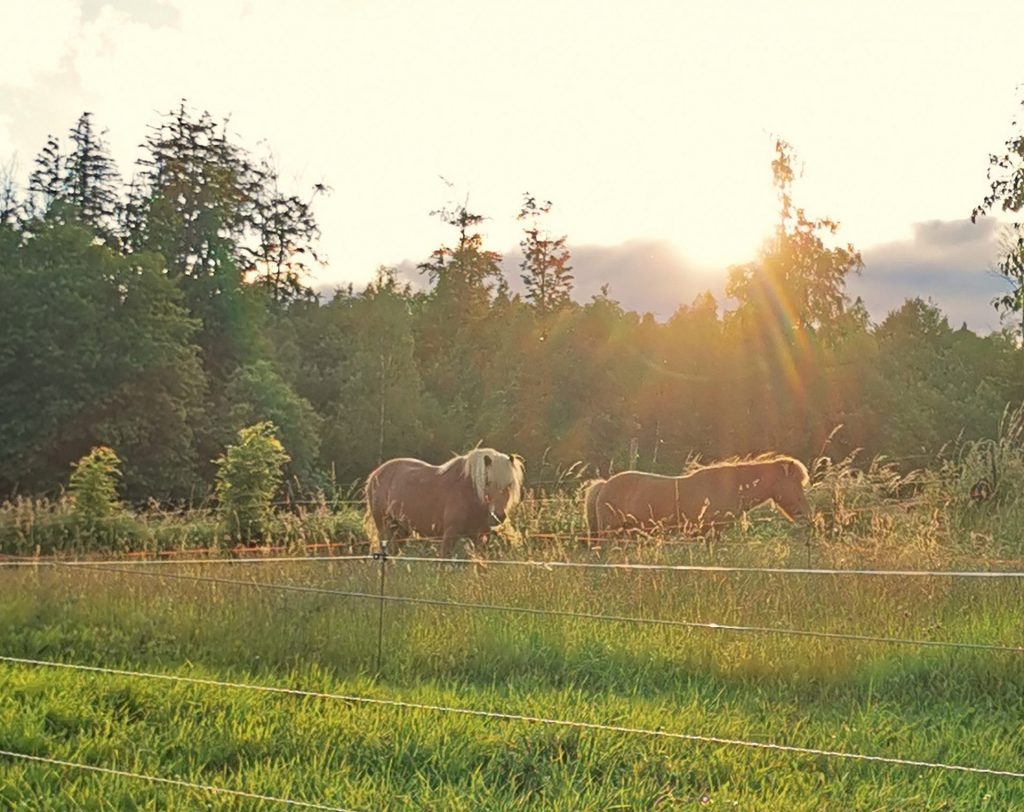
(38, 36)
(648, 276)
(949, 261)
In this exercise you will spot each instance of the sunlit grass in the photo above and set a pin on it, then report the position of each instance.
(954, 706)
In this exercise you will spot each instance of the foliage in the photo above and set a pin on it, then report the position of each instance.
(95, 349)
(796, 288)
(545, 264)
(248, 478)
(93, 485)
(1006, 194)
(257, 393)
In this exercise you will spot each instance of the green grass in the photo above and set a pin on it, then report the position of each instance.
(954, 706)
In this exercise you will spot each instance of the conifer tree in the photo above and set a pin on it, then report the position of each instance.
(545, 266)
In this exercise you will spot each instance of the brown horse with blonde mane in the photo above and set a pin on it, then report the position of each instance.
(710, 496)
(466, 497)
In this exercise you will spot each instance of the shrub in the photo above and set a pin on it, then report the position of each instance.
(93, 486)
(248, 476)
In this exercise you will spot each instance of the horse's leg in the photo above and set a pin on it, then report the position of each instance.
(447, 542)
(380, 524)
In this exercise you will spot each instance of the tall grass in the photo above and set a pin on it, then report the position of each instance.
(50, 526)
(943, 705)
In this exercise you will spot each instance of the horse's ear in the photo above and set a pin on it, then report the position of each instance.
(487, 460)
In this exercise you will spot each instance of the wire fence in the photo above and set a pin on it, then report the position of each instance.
(141, 568)
(517, 717)
(384, 598)
(267, 555)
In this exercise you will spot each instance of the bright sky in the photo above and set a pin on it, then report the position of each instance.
(639, 119)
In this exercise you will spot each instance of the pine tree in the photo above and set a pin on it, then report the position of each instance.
(545, 265)
(46, 183)
(80, 185)
(91, 179)
(467, 273)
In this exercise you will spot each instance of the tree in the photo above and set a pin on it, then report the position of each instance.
(454, 335)
(791, 315)
(545, 266)
(257, 392)
(11, 207)
(466, 273)
(80, 185)
(287, 234)
(47, 180)
(93, 486)
(95, 349)
(1006, 194)
(936, 383)
(797, 284)
(92, 179)
(378, 407)
(218, 219)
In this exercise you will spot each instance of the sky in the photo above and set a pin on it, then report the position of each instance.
(650, 125)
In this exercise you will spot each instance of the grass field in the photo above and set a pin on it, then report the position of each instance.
(954, 706)
(957, 706)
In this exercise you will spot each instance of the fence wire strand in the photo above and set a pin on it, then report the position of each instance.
(565, 613)
(537, 564)
(518, 717)
(713, 568)
(175, 782)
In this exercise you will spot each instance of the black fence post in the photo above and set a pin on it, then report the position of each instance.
(382, 556)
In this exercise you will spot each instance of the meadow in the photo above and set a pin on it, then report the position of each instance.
(230, 621)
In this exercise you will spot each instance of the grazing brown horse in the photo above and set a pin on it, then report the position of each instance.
(708, 497)
(467, 497)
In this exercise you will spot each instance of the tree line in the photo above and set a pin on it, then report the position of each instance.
(160, 315)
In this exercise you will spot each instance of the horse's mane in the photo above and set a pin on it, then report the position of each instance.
(505, 471)
(755, 459)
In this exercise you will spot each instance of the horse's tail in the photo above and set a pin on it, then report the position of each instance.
(590, 497)
(369, 523)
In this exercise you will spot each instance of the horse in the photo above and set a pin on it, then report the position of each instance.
(706, 498)
(466, 497)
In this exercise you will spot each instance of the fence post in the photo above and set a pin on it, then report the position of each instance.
(382, 556)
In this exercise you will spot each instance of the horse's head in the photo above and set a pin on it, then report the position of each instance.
(788, 489)
(498, 479)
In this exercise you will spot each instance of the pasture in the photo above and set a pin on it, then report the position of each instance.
(901, 700)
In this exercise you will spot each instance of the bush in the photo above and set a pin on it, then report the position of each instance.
(93, 486)
(249, 475)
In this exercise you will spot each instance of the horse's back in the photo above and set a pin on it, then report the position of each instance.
(392, 475)
(633, 496)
